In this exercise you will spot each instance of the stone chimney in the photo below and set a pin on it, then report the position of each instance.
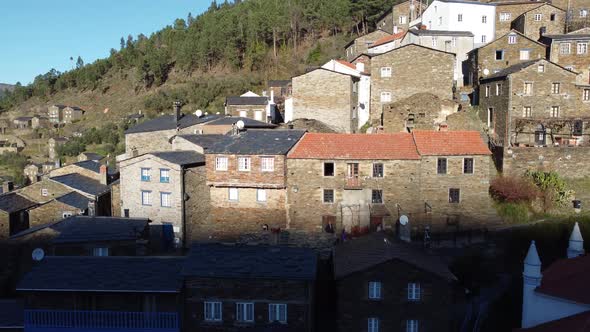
(7, 186)
(104, 174)
(177, 114)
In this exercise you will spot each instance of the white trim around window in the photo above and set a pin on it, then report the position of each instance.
(414, 293)
(267, 164)
(221, 163)
(245, 312)
(277, 312)
(212, 311)
(244, 164)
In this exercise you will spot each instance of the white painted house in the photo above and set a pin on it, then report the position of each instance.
(459, 15)
(364, 93)
(560, 292)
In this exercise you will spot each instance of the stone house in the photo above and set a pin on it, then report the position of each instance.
(577, 12)
(250, 105)
(327, 96)
(70, 204)
(22, 122)
(571, 51)
(387, 43)
(254, 287)
(14, 215)
(383, 284)
(280, 88)
(4, 126)
(88, 168)
(458, 42)
(247, 179)
(154, 186)
(52, 145)
(545, 19)
(393, 79)
(362, 43)
(97, 191)
(400, 16)
(364, 60)
(421, 111)
(55, 113)
(72, 114)
(507, 12)
(39, 121)
(32, 172)
(508, 50)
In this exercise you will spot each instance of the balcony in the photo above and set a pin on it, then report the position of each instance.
(353, 182)
(100, 321)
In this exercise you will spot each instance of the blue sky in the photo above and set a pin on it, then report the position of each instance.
(38, 35)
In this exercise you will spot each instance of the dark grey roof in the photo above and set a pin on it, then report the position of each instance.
(511, 70)
(279, 83)
(82, 183)
(204, 141)
(90, 165)
(105, 274)
(167, 122)
(422, 32)
(248, 123)
(377, 248)
(13, 202)
(78, 229)
(93, 156)
(74, 199)
(272, 142)
(568, 36)
(235, 261)
(11, 314)
(238, 100)
(181, 157)
(23, 118)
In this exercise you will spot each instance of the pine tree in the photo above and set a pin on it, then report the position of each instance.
(79, 63)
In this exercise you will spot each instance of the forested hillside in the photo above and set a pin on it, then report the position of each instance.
(230, 47)
(5, 88)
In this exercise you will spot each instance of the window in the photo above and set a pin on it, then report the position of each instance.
(484, 19)
(434, 41)
(386, 72)
(505, 17)
(243, 113)
(582, 48)
(411, 325)
(487, 91)
(498, 89)
(374, 290)
(555, 88)
(377, 170)
(565, 48)
(245, 312)
(165, 200)
(403, 19)
(146, 197)
(538, 17)
(261, 195)
(233, 194)
(413, 291)
(541, 68)
(221, 164)
(244, 164)
(528, 88)
(570, 68)
(454, 195)
(499, 55)
(440, 20)
(554, 112)
(527, 112)
(100, 252)
(145, 174)
(525, 54)
(454, 41)
(385, 97)
(583, 12)
(377, 196)
(213, 311)
(511, 39)
(578, 128)
(373, 324)
(441, 166)
(468, 166)
(490, 117)
(460, 18)
(552, 17)
(483, 38)
(328, 196)
(267, 164)
(277, 313)
(44, 192)
(586, 95)
(328, 169)
(66, 215)
(164, 175)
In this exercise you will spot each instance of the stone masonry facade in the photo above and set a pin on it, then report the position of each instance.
(507, 12)
(361, 44)
(400, 16)
(572, 52)
(543, 20)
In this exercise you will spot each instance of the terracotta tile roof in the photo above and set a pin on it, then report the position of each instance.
(355, 146)
(347, 64)
(568, 279)
(388, 39)
(449, 143)
(574, 323)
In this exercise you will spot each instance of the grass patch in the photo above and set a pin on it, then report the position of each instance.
(514, 213)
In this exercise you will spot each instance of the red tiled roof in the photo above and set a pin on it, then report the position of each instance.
(355, 146)
(387, 39)
(575, 323)
(568, 279)
(449, 143)
(347, 64)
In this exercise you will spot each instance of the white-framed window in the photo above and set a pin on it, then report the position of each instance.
(233, 194)
(244, 164)
(484, 38)
(454, 195)
(221, 163)
(100, 252)
(454, 41)
(385, 71)
(414, 291)
(525, 54)
(512, 39)
(145, 174)
(505, 17)
(554, 112)
(245, 312)
(527, 112)
(44, 192)
(267, 164)
(582, 48)
(565, 48)
(484, 19)
(434, 41)
(586, 95)
(583, 12)
(459, 17)
(385, 96)
(243, 113)
(164, 175)
(213, 312)
(528, 88)
(411, 325)
(498, 89)
(146, 197)
(538, 17)
(468, 166)
(541, 68)
(403, 19)
(440, 20)
(277, 312)
(374, 290)
(165, 199)
(488, 88)
(373, 324)
(555, 88)
(261, 195)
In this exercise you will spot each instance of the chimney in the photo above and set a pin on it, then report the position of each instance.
(103, 174)
(177, 114)
(291, 126)
(443, 127)
(360, 67)
(7, 187)
(91, 208)
(272, 97)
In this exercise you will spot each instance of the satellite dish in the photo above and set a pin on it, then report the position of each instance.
(403, 220)
(38, 254)
(199, 113)
(240, 124)
(486, 72)
(217, 113)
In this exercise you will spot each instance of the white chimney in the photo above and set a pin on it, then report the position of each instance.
(360, 67)
(394, 29)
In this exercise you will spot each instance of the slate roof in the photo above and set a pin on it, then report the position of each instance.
(279, 83)
(105, 274)
(450, 143)
(13, 202)
(204, 141)
(92, 156)
(518, 67)
(23, 118)
(11, 314)
(575, 323)
(74, 199)
(82, 183)
(355, 146)
(168, 122)
(567, 279)
(568, 36)
(238, 100)
(425, 32)
(90, 165)
(368, 251)
(271, 142)
(248, 123)
(263, 262)
(181, 157)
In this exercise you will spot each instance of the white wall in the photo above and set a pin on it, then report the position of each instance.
(364, 107)
(289, 109)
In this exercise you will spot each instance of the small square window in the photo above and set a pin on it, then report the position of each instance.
(245, 312)
(328, 169)
(233, 194)
(44, 192)
(261, 195)
(213, 312)
(541, 68)
(555, 87)
(414, 291)
(267, 164)
(145, 174)
(164, 175)
(538, 17)
(146, 197)
(552, 17)
(468, 166)
(499, 54)
(525, 54)
(244, 164)
(373, 324)
(582, 48)
(386, 72)
(512, 39)
(221, 164)
(565, 48)
(165, 200)
(441, 166)
(100, 252)
(377, 196)
(328, 196)
(377, 170)
(385, 97)
(277, 312)
(454, 195)
(374, 290)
